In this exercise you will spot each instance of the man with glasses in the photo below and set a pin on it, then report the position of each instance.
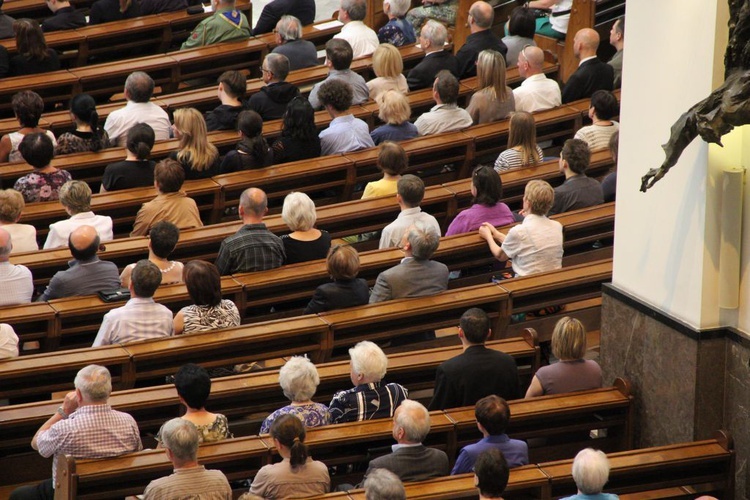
(537, 92)
(481, 38)
(271, 101)
(432, 41)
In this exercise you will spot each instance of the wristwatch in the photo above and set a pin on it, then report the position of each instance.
(61, 412)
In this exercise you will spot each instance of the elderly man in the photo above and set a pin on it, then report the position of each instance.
(225, 25)
(368, 399)
(180, 439)
(591, 473)
(436, 58)
(409, 194)
(592, 74)
(481, 38)
(491, 475)
(617, 40)
(346, 132)
(252, 247)
(446, 115)
(537, 92)
(86, 274)
(139, 87)
(361, 37)
(289, 42)
(75, 197)
(578, 190)
(303, 10)
(171, 204)
(271, 101)
(338, 60)
(16, 283)
(478, 371)
(492, 414)
(140, 318)
(84, 426)
(382, 484)
(411, 460)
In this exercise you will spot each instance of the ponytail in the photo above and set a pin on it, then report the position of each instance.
(94, 124)
(289, 431)
(300, 453)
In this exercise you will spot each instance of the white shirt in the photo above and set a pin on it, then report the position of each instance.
(535, 246)
(59, 231)
(8, 342)
(393, 232)
(443, 118)
(560, 23)
(361, 37)
(138, 319)
(121, 121)
(597, 136)
(16, 284)
(537, 93)
(23, 237)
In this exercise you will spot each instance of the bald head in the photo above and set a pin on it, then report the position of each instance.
(530, 61)
(585, 43)
(83, 243)
(482, 14)
(253, 205)
(5, 245)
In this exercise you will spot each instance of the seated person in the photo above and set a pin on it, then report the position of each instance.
(299, 136)
(536, 245)
(231, 91)
(11, 208)
(578, 190)
(361, 37)
(162, 239)
(75, 197)
(591, 473)
(64, 17)
(15, 279)
(436, 58)
(521, 27)
(609, 183)
(274, 11)
(88, 135)
(492, 414)
(395, 113)
(592, 73)
(603, 107)
(398, 30)
(339, 59)
(392, 161)
(136, 170)
(44, 183)
(8, 342)
(445, 116)
(299, 380)
(486, 205)
(346, 290)
(198, 157)
(33, 54)
(556, 24)
(572, 372)
(494, 99)
(368, 399)
(271, 101)
(491, 474)
(522, 150)
(388, 67)
(289, 42)
(409, 194)
(481, 38)
(226, 24)
(27, 108)
(345, 133)
(440, 11)
(252, 151)
(208, 311)
(305, 242)
(105, 11)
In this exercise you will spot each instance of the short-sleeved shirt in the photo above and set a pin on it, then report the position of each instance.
(366, 402)
(361, 37)
(128, 174)
(312, 415)
(570, 376)
(251, 248)
(535, 246)
(207, 318)
(39, 186)
(119, 122)
(193, 482)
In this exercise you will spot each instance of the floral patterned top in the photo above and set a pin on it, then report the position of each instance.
(312, 415)
(209, 433)
(80, 142)
(38, 186)
(206, 318)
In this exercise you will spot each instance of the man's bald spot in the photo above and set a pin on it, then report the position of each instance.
(588, 37)
(5, 243)
(254, 200)
(534, 56)
(83, 237)
(482, 13)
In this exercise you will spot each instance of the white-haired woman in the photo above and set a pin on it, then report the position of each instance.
(397, 31)
(368, 398)
(304, 242)
(75, 197)
(299, 380)
(591, 473)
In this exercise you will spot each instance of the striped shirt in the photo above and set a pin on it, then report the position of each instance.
(138, 319)
(193, 482)
(366, 402)
(597, 136)
(512, 158)
(92, 431)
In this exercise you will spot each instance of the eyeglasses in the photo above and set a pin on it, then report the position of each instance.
(523, 50)
(264, 70)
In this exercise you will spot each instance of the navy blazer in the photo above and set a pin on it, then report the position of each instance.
(476, 43)
(338, 295)
(590, 76)
(304, 10)
(422, 75)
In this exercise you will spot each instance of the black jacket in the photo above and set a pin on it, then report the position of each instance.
(304, 10)
(271, 101)
(223, 117)
(66, 18)
(476, 43)
(422, 75)
(590, 76)
(338, 295)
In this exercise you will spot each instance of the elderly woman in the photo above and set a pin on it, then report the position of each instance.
(23, 236)
(494, 99)
(591, 473)
(536, 245)
(8, 341)
(162, 240)
(395, 113)
(601, 111)
(571, 373)
(346, 290)
(299, 379)
(209, 311)
(388, 67)
(75, 197)
(27, 108)
(487, 190)
(304, 242)
(397, 31)
(44, 183)
(368, 399)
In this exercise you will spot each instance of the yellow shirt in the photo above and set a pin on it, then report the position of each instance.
(382, 187)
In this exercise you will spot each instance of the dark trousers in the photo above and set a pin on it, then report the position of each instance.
(39, 491)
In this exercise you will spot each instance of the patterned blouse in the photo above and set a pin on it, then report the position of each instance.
(209, 433)
(366, 401)
(79, 142)
(312, 415)
(38, 186)
(206, 318)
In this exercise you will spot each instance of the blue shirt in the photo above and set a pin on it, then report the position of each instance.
(397, 133)
(345, 134)
(516, 452)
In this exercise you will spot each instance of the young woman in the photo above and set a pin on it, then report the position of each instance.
(87, 136)
(137, 170)
(388, 67)
(209, 311)
(299, 137)
(252, 151)
(494, 99)
(523, 150)
(198, 157)
(487, 189)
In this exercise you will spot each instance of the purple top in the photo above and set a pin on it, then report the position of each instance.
(471, 218)
(516, 452)
(570, 376)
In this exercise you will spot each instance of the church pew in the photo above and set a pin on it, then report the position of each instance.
(53, 87)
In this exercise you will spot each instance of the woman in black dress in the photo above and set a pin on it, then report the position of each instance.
(299, 137)
(304, 242)
(33, 55)
(346, 290)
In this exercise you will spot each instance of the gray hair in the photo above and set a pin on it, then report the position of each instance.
(94, 382)
(414, 419)
(357, 9)
(382, 484)
(140, 86)
(398, 7)
(298, 212)
(181, 437)
(289, 28)
(299, 379)
(423, 240)
(76, 196)
(278, 64)
(590, 471)
(5, 250)
(435, 33)
(368, 360)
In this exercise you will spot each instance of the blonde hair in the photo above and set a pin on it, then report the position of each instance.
(394, 107)
(387, 61)
(11, 205)
(569, 339)
(491, 73)
(540, 196)
(522, 135)
(194, 145)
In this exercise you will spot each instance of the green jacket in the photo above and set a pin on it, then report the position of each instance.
(224, 26)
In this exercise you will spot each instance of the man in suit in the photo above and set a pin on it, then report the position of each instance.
(289, 42)
(411, 460)
(478, 371)
(64, 17)
(304, 10)
(481, 38)
(592, 74)
(432, 40)
(416, 275)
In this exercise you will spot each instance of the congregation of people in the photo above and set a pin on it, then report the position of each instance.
(86, 426)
